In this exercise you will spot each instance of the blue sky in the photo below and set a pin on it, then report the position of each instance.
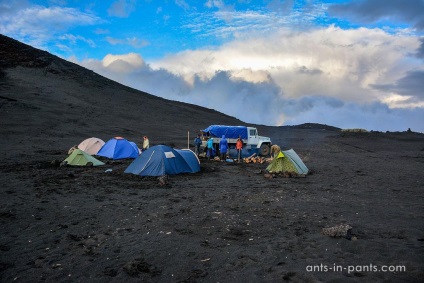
(351, 64)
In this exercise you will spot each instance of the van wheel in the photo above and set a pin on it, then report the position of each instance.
(264, 150)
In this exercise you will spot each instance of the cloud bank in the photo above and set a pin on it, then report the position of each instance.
(372, 11)
(36, 24)
(346, 78)
(273, 63)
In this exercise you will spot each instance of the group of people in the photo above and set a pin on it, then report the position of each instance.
(210, 149)
(223, 147)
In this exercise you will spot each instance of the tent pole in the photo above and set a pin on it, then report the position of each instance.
(188, 139)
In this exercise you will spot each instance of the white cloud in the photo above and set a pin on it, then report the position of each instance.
(227, 22)
(75, 38)
(374, 116)
(275, 68)
(402, 101)
(123, 64)
(37, 24)
(215, 3)
(122, 8)
(371, 11)
(331, 61)
(137, 43)
(281, 6)
(256, 102)
(183, 4)
(132, 41)
(64, 48)
(101, 31)
(225, 12)
(329, 76)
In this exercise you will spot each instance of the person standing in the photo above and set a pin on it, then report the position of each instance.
(239, 148)
(197, 143)
(146, 144)
(223, 147)
(209, 146)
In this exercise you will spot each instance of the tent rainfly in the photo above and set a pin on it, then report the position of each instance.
(119, 148)
(135, 146)
(191, 159)
(91, 145)
(81, 158)
(287, 161)
(162, 160)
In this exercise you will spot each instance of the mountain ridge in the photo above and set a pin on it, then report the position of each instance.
(58, 103)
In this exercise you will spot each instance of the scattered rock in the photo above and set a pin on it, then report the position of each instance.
(342, 230)
(57, 266)
(163, 180)
(137, 266)
(267, 175)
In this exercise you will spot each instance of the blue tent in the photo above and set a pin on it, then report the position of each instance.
(191, 159)
(118, 148)
(135, 146)
(161, 160)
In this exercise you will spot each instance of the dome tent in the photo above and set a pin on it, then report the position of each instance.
(135, 146)
(81, 158)
(287, 161)
(161, 160)
(118, 148)
(191, 159)
(91, 145)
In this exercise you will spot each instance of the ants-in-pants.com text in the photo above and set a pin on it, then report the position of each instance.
(355, 268)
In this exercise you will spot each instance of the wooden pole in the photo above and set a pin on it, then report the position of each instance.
(188, 139)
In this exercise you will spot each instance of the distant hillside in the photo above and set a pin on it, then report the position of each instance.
(48, 102)
(55, 103)
(14, 53)
(314, 126)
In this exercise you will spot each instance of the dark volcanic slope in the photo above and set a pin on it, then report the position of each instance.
(41, 94)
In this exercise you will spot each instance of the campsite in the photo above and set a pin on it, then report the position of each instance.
(226, 222)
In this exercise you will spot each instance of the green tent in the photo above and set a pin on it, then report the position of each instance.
(287, 161)
(81, 158)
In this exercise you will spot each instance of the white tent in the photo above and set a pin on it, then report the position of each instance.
(91, 145)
